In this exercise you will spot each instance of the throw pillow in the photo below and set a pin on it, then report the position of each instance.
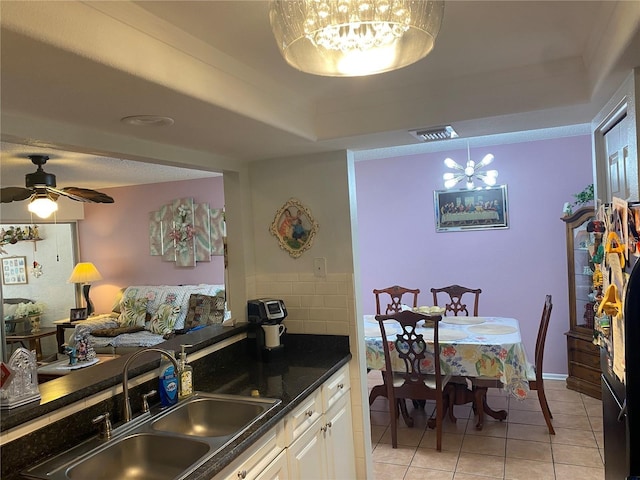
(201, 309)
(164, 320)
(133, 312)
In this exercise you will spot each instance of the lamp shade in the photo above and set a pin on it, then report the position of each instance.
(342, 38)
(84, 272)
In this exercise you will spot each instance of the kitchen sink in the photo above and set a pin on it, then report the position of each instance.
(213, 415)
(165, 445)
(141, 457)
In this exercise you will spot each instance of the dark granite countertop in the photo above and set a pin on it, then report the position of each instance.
(308, 361)
(69, 389)
(292, 379)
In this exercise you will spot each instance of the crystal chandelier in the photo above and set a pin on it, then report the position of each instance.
(349, 38)
(469, 172)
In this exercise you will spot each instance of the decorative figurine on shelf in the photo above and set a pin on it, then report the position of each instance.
(82, 343)
(71, 351)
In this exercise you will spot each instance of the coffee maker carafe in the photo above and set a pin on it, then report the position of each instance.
(266, 334)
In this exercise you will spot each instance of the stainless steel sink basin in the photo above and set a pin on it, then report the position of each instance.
(167, 445)
(141, 457)
(212, 416)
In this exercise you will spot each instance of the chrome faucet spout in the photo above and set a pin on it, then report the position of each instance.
(125, 375)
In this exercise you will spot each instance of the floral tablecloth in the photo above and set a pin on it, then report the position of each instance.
(464, 352)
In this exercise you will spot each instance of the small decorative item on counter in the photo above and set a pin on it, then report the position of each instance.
(81, 342)
(186, 374)
(19, 383)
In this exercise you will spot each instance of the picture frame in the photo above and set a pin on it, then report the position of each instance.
(78, 314)
(14, 271)
(294, 227)
(471, 209)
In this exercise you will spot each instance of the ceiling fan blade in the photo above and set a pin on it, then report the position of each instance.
(83, 194)
(14, 194)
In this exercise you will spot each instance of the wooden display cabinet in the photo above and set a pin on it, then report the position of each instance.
(583, 356)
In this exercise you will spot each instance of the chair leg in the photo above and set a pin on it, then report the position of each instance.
(393, 413)
(542, 398)
(439, 419)
(408, 420)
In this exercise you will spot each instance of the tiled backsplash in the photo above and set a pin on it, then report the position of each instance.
(315, 305)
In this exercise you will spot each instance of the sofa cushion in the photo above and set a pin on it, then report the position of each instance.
(199, 310)
(114, 332)
(133, 312)
(164, 320)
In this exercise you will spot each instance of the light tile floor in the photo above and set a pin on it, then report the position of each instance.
(518, 448)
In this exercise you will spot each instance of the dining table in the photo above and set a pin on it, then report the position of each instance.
(476, 352)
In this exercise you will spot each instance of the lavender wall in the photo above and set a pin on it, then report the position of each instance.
(515, 267)
(116, 239)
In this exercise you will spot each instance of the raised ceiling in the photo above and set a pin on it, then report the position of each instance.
(71, 70)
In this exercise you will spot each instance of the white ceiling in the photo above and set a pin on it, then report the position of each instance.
(71, 70)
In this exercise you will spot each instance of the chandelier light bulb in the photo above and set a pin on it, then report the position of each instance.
(450, 163)
(470, 172)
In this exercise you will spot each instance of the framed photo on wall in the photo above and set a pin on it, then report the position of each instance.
(475, 209)
(14, 271)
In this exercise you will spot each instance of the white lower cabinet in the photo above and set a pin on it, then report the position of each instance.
(263, 460)
(314, 442)
(324, 448)
(277, 469)
(339, 441)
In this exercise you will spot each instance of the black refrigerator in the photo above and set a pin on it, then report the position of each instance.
(621, 397)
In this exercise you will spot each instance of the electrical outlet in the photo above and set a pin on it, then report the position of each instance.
(320, 267)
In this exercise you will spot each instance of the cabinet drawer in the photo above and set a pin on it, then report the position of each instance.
(336, 387)
(257, 457)
(585, 373)
(583, 346)
(584, 358)
(303, 416)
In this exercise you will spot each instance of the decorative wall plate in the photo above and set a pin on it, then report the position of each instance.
(294, 227)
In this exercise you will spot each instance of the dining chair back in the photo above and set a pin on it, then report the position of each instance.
(454, 303)
(396, 292)
(535, 378)
(416, 354)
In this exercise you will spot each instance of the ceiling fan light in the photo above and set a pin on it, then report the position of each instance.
(450, 183)
(42, 206)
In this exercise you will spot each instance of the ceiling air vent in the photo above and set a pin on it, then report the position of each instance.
(434, 134)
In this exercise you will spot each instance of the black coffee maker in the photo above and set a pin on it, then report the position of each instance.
(266, 335)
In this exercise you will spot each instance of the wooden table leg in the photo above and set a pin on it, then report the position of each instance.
(480, 400)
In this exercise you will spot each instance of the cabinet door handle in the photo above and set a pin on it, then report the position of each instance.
(341, 385)
(309, 413)
(326, 427)
(242, 474)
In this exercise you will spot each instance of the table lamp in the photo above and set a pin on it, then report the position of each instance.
(84, 273)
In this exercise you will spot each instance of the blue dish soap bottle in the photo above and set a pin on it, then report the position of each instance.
(167, 383)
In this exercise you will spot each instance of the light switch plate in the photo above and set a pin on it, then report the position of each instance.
(320, 267)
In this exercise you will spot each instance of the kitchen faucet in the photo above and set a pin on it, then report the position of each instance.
(125, 375)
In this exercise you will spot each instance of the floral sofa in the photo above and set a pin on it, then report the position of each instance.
(145, 315)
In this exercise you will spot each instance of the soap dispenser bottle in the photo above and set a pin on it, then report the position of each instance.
(168, 383)
(185, 374)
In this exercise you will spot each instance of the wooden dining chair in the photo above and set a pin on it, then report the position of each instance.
(454, 304)
(396, 292)
(412, 382)
(535, 378)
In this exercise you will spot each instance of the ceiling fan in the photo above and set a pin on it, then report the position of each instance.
(41, 189)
